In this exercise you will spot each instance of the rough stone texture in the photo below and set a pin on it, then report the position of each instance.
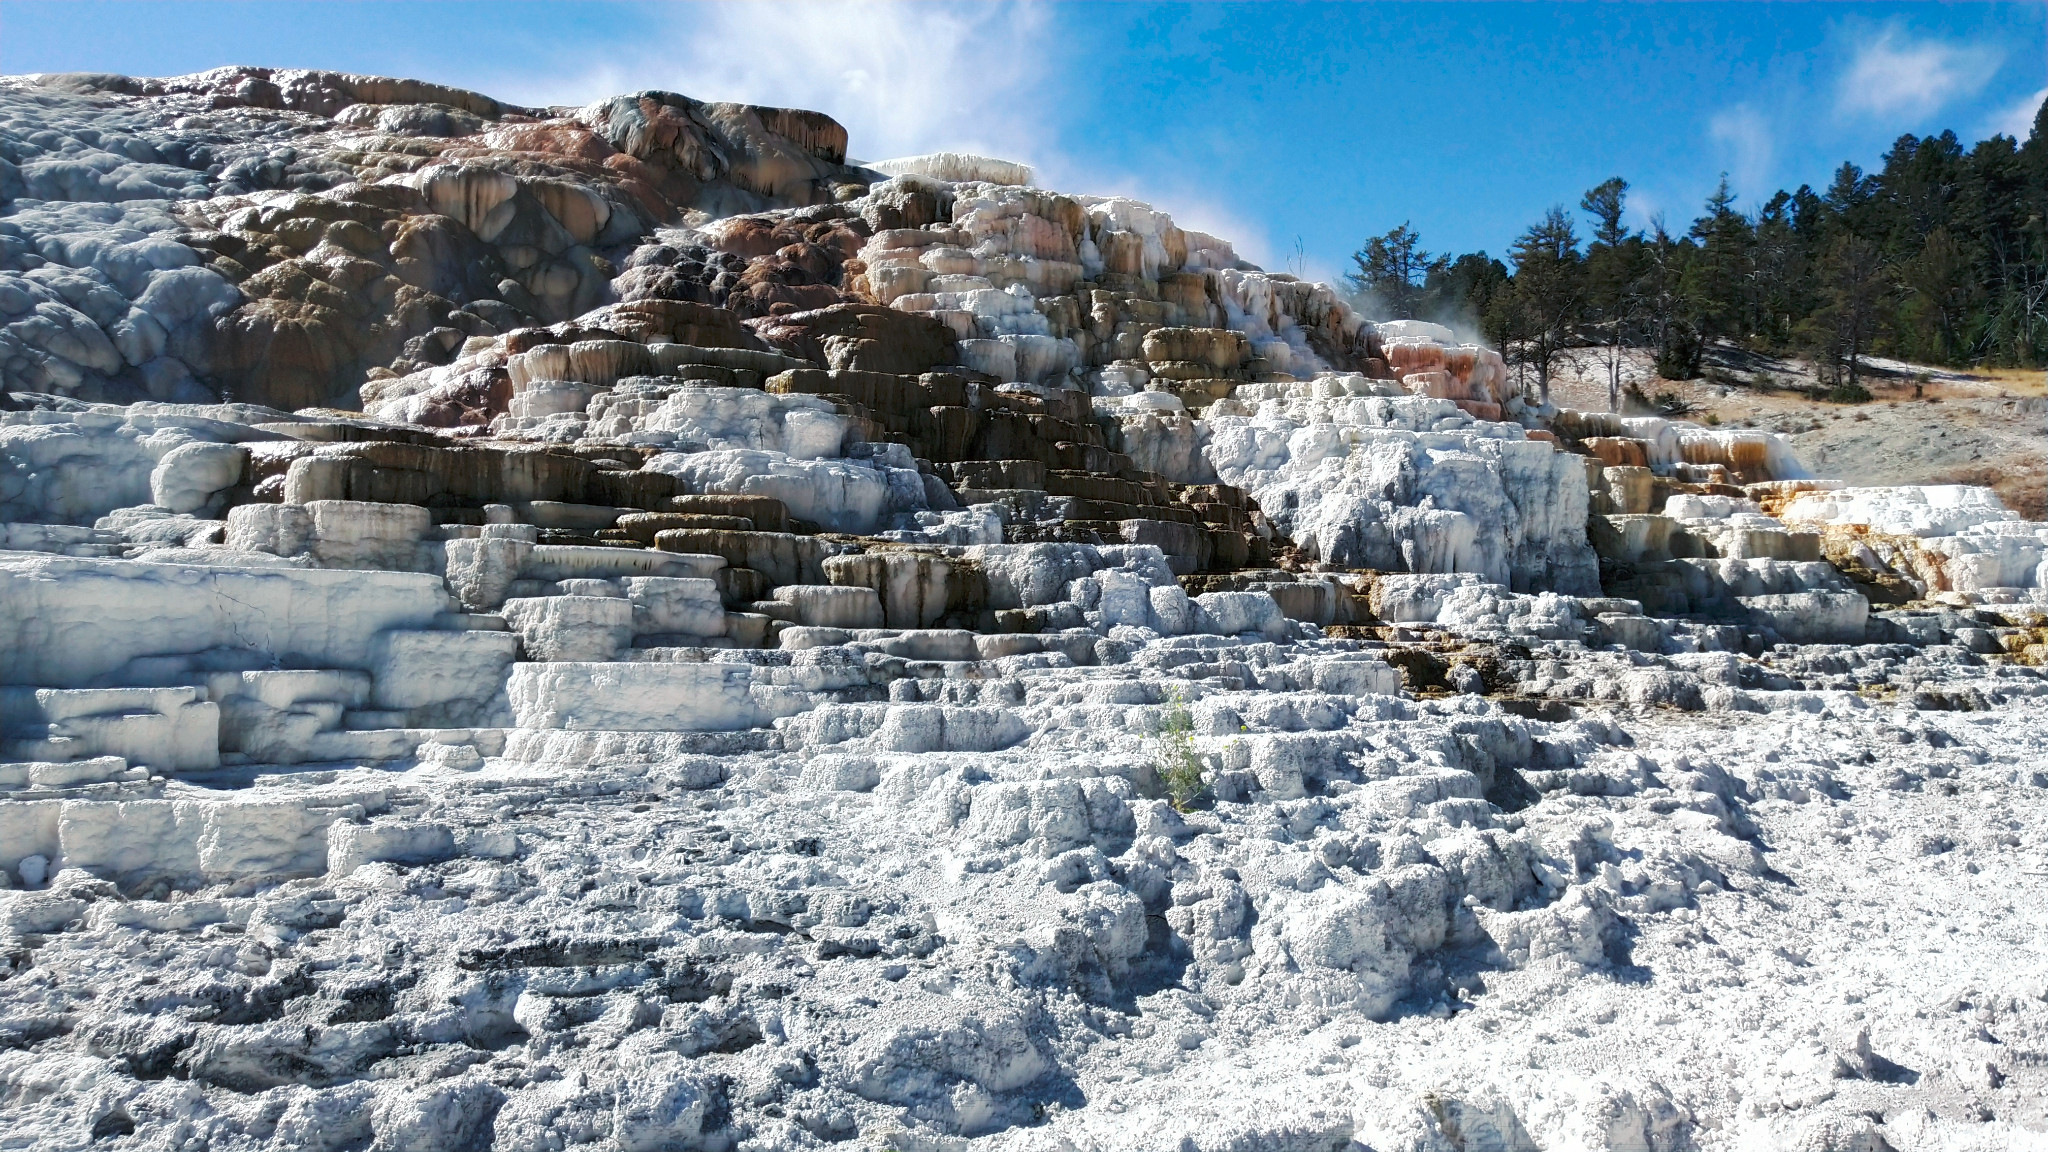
(272, 235)
(793, 654)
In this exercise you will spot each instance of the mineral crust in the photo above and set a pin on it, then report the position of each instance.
(625, 627)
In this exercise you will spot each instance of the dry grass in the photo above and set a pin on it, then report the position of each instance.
(1920, 426)
(2024, 490)
(2018, 381)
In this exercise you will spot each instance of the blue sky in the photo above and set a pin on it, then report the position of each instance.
(1265, 123)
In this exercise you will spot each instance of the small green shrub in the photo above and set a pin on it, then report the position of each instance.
(1179, 766)
(1849, 393)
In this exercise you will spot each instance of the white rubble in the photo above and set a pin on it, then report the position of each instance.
(925, 921)
(1946, 538)
(607, 741)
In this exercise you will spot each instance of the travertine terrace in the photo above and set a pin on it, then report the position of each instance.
(625, 627)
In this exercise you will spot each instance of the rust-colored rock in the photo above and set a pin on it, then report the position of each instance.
(675, 321)
(862, 337)
(1617, 452)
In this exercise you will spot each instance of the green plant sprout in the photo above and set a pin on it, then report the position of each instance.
(1180, 766)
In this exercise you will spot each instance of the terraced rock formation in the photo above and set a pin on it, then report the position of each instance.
(625, 627)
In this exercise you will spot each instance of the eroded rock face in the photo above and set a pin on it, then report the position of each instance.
(792, 653)
(272, 236)
(862, 338)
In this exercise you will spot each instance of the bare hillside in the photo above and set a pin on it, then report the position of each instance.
(1923, 425)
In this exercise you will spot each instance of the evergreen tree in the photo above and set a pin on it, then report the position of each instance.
(1672, 333)
(1851, 278)
(1781, 291)
(1605, 203)
(1462, 290)
(1939, 294)
(1544, 301)
(1613, 269)
(1939, 256)
(1717, 280)
(1391, 271)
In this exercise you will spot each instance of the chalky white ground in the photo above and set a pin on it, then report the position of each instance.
(1803, 928)
(326, 825)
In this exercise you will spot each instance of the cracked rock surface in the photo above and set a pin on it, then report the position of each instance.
(625, 628)
(1670, 932)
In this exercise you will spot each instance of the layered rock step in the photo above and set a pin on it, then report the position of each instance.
(879, 652)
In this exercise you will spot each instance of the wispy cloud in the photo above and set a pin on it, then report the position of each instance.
(1748, 147)
(2018, 120)
(903, 79)
(1893, 74)
(1179, 194)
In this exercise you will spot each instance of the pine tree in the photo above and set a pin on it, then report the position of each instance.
(1606, 201)
(1462, 291)
(1939, 294)
(1718, 282)
(1391, 270)
(1672, 333)
(1852, 296)
(1781, 292)
(1939, 256)
(1547, 294)
(1612, 270)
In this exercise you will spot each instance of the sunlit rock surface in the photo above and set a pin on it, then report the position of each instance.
(624, 627)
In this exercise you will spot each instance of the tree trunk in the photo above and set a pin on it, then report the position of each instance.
(1614, 372)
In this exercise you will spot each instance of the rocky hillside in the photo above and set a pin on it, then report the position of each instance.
(624, 627)
(1920, 425)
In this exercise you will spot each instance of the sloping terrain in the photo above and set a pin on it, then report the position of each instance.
(624, 627)
(1921, 426)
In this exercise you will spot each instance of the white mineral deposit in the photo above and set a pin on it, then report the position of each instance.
(623, 627)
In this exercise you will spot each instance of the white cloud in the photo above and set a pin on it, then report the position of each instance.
(1894, 75)
(1645, 204)
(2018, 120)
(1748, 148)
(903, 79)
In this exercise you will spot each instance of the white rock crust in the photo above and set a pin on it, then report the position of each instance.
(541, 803)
